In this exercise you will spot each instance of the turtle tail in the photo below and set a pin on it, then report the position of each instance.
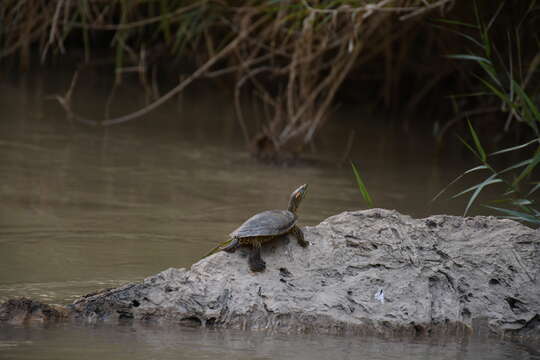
(218, 248)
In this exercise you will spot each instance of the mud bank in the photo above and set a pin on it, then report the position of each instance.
(373, 272)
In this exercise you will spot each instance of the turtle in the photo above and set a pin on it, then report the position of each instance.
(263, 227)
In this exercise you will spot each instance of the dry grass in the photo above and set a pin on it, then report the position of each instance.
(289, 56)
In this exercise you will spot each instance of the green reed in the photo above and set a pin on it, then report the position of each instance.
(510, 81)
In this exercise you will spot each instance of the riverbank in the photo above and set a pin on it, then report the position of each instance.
(297, 60)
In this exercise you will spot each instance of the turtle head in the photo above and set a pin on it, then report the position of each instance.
(296, 197)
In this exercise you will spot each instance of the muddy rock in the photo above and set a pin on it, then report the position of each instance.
(372, 272)
(24, 310)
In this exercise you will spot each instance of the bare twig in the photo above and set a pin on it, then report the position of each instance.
(436, 5)
(134, 24)
(178, 88)
(54, 29)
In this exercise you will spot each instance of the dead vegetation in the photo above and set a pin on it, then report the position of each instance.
(289, 57)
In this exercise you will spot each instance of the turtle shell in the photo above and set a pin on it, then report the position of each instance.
(266, 223)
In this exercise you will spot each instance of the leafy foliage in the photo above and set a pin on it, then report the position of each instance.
(508, 85)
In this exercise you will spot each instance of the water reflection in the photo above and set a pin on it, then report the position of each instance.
(146, 342)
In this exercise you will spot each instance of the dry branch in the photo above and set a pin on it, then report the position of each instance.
(294, 55)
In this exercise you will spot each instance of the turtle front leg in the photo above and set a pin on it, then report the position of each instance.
(256, 263)
(299, 234)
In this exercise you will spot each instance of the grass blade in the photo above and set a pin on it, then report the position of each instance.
(479, 188)
(517, 215)
(456, 22)
(533, 162)
(362, 186)
(460, 34)
(469, 57)
(479, 147)
(497, 92)
(530, 105)
(513, 148)
(471, 149)
(488, 68)
(522, 202)
(488, 181)
(481, 167)
(535, 187)
(516, 166)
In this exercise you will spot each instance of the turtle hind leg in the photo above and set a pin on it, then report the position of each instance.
(256, 263)
(299, 235)
(232, 246)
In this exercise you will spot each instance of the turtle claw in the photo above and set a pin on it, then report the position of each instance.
(257, 266)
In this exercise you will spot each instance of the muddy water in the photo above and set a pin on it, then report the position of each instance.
(86, 208)
(143, 343)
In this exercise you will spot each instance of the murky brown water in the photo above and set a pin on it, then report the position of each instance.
(84, 208)
(144, 343)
